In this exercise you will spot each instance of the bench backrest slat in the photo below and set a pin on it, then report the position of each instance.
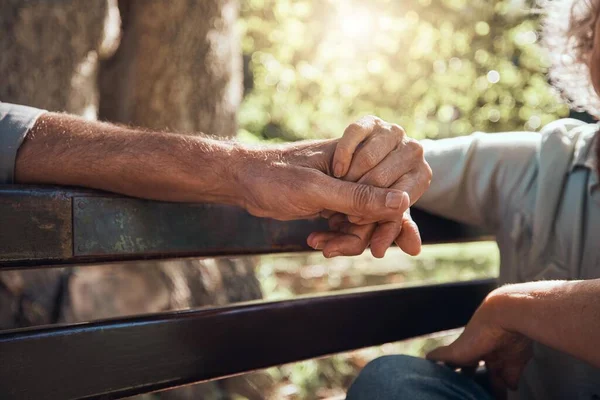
(118, 358)
(42, 226)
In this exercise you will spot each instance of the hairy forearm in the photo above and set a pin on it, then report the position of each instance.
(564, 315)
(290, 181)
(67, 150)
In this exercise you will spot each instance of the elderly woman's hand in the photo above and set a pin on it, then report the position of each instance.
(377, 153)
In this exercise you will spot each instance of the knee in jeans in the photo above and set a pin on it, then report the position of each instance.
(405, 377)
(382, 375)
(395, 364)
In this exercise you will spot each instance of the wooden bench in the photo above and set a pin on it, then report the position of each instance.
(49, 227)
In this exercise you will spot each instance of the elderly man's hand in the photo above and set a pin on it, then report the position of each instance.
(377, 153)
(504, 351)
(294, 181)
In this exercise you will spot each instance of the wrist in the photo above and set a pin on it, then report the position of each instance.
(516, 307)
(503, 307)
(247, 169)
(228, 166)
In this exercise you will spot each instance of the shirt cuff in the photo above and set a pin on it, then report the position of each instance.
(15, 122)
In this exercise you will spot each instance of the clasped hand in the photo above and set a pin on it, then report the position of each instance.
(376, 153)
(364, 183)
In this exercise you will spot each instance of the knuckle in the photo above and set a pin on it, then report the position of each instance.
(367, 160)
(428, 172)
(353, 129)
(361, 197)
(378, 177)
(415, 148)
(398, 131)
(423, 175)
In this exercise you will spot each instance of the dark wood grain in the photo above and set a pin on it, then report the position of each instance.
(47, 226)
(117, 358)
(34, 225)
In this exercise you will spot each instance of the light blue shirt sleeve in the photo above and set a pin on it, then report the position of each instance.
(475, 177)
(15, 122)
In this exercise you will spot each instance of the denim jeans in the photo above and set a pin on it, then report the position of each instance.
(404, 377)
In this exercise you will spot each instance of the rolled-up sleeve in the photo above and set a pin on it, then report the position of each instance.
(476, 177)
(15, 122)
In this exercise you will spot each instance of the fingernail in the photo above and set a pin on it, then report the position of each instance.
(319, 246)
(333, 254)
(355, 220)
(394, 200)
(338, 169)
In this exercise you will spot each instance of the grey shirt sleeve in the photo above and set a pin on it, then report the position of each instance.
(475, 177)
(15, 122)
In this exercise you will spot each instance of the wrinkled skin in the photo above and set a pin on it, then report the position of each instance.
(374, 152)
(504, 352)
(389, 168)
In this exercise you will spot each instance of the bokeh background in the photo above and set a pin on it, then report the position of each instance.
(439, 68)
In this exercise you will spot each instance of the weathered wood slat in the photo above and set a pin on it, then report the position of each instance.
(47, 226)
(118, 358)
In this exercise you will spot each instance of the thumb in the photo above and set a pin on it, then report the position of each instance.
(442, 353)
(364, 201)
(459, 353)
(409, 239)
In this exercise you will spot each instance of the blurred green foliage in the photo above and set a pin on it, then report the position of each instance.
(438, 68)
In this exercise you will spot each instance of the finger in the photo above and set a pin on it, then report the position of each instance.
(361, 220)
(336, 244)
(443, 354)
(384, 237)
(351, 244)
(409, 239)
(338, 225)
(353, 135)
(356, 220)
(327, 213)
(459, 352)
(414, 183)
(357, 200)
(395, 165)
(336, 221)
(317, 240)
(373, 151)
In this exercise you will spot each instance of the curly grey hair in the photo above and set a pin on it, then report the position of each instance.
(570, 44)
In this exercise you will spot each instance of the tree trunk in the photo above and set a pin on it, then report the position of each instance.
(49, 53)
(177, 66)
